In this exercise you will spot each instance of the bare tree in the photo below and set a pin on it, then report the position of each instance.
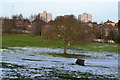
(108, 32)
(37, 26)
(8, 25)
(32, 17)
(69, 29)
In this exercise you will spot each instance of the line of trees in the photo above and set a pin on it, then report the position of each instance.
(106, 32)
(35, 26)
(14, 25)
(69, 29)
(18, 24)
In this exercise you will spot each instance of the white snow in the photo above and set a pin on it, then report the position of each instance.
(99, 63)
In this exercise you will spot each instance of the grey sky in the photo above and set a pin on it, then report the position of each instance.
(101, 10)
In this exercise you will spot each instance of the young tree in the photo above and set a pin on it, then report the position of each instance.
(69, 29)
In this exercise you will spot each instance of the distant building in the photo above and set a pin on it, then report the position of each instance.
(85, 17)
(46, 17)
(92, 24)
(110, 22)
(37, 26)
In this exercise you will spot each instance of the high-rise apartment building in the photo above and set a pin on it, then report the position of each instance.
(45, 16)
(85, 17)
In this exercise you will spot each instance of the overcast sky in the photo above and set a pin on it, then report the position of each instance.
(101, 10)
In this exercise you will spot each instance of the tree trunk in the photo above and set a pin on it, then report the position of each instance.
(65, 47)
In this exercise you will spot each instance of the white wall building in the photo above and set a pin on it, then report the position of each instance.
(85, 17)
(45, 16)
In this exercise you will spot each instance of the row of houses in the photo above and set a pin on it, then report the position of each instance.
(85, 17)
(21, 25)
(47, 17)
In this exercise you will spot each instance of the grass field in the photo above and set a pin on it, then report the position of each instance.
(15, 40)
(29, 56)
(22, 40)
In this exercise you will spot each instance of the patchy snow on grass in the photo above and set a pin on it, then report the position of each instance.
(32, 62)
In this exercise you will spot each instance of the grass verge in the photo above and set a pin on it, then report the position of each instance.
(23, 40)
